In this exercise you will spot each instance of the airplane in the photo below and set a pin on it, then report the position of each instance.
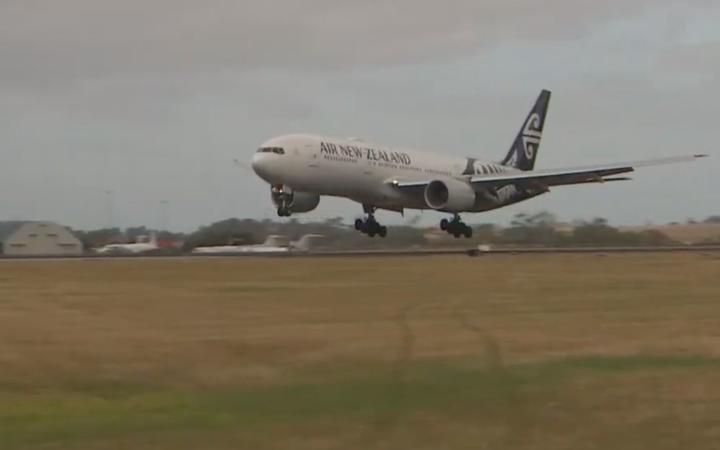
(301, 168)
(129, 249)
(273, 244)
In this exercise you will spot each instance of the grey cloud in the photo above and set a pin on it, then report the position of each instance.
(691, 64)
(52, 41)
(153, 99)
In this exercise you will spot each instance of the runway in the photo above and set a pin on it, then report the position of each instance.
(422, 252)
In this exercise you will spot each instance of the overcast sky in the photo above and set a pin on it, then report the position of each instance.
(153, 99)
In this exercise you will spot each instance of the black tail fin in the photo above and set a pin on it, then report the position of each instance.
(525, 148)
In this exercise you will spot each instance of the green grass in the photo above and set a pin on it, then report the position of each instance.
(86, 414)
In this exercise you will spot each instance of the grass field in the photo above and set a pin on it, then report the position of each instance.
(541, 352)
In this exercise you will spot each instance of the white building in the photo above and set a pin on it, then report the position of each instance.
(41, 239)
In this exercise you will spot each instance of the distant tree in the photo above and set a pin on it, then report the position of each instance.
(599, 233)
(132, 234)
(543, 218)
(652, 238)
(535, 229)
(226, 232)
(600, 222)
(334, 222)
(596, 232)
(485, 233)
(519, 220)
(712, 219)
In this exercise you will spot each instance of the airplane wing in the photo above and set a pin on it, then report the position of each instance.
(544, 179)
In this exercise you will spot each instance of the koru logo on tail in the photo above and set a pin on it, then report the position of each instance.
(531, 135)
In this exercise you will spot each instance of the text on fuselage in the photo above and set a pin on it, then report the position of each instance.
(352, 151)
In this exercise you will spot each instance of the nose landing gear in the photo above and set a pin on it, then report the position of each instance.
(456, 227)
(283, 199)
(283, 210)
(369, 225)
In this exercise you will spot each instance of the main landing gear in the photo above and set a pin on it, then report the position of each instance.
(456, 227)
(369, 225)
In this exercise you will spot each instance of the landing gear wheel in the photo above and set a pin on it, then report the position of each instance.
(456, 227)
(467, 232)
(382, 231)
(369, 225)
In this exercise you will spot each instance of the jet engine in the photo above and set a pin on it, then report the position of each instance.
(449, 195)
(288, 201)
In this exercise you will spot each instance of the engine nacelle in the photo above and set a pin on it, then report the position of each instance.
(294, 202)
(449, 195)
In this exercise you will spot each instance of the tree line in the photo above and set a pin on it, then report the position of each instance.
(539, 229)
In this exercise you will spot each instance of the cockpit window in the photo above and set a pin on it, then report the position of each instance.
(276, 150)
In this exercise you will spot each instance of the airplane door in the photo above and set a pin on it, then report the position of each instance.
(313, 153)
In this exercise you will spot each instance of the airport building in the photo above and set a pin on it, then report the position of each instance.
(40, 239)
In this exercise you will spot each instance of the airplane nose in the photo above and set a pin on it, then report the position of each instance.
(259, 165)
(255, 163)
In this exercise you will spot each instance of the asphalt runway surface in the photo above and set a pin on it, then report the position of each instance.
(388, 253)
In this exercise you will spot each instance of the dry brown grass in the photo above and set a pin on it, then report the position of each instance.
(583, 335)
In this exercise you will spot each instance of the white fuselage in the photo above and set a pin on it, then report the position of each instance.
(365, 172)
